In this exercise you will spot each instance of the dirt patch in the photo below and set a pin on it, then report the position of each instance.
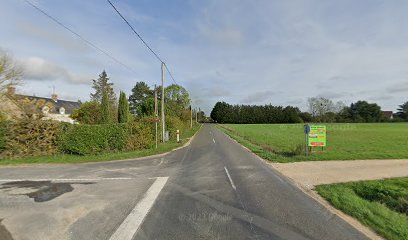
(44, 190)
(310, 174)
(4, 233)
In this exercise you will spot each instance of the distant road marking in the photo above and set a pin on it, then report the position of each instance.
(161, 161)
(131, 224)
(230, 179)
(63, 179)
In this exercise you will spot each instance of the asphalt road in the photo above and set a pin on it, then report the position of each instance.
(212, 189)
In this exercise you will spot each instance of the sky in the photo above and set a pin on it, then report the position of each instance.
(238, 51)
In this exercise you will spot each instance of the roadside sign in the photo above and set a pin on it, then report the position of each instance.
(317, 136)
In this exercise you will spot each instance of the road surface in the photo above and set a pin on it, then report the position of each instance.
(212, 189)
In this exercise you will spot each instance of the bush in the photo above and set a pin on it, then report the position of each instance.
(173, 124)
(93, 139)
(29, 138)
(141, 135)
(3, 132)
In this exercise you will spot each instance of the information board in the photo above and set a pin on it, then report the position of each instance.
(317, 136)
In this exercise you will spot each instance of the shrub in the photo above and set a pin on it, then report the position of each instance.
(173, 124)
(141, 135)
(93, 139)
(3, 132)
(30, 138)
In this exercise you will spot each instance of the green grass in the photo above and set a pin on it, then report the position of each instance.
(380, 204)
(285, 142)
(66, 158)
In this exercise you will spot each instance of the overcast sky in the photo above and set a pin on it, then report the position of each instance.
(242, 52)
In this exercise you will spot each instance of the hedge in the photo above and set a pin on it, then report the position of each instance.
(3, 132)
(93, 139)
(38, 138)
(29, 138)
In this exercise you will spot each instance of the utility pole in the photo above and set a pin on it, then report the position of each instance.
(196, 116)
(162, 102)
(156, 112)
(191, 117)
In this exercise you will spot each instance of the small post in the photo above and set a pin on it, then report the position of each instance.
(178, 135)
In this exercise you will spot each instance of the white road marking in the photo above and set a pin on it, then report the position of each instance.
(63, 179)
(161, 161)
(131, 224)
(213, 140)
(230, 179)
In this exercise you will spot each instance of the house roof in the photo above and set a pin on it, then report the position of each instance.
(387, 114)
(55, 106)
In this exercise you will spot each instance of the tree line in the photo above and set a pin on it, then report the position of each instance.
(227, 113)
(320, 110)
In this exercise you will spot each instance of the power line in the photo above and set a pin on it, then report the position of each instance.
(143, 41)
(171, 75)
(79, 36)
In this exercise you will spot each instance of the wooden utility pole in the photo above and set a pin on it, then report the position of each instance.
(196, 116)
(156, 111)
(162, 103)
(191, 116)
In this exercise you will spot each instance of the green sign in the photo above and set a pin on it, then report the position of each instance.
(317, 136)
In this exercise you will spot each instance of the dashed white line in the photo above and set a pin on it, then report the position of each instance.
(230, 179)
(63, 179)
(131, 224)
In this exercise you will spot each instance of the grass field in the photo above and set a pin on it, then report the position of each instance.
(381, 204)
(66, 158)
(285, 142)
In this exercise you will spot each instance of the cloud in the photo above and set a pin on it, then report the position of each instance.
(224, 36)
(55, 37)
(35, 68)
(381, 97)
(398, 87)
(333, 95)
(257, 97)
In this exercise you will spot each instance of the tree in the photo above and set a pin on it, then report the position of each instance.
(123, 109)
(88, 113)
(101, 85)
(319, 106)
(306, 117)
(361, 111)
(138, 98)
(177, 99)
(226, 113)
(10, 72)
(403, 111)
(105, 108)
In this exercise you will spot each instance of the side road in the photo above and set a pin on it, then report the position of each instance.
(310, 174)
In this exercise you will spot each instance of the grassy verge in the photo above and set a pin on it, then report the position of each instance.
(285, 142)
(381, 204)
(66, 158)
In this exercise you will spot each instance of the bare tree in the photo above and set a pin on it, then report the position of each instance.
(318, 106)
(10, 72)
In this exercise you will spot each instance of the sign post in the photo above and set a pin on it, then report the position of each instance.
(306, 129)
(315, 136)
